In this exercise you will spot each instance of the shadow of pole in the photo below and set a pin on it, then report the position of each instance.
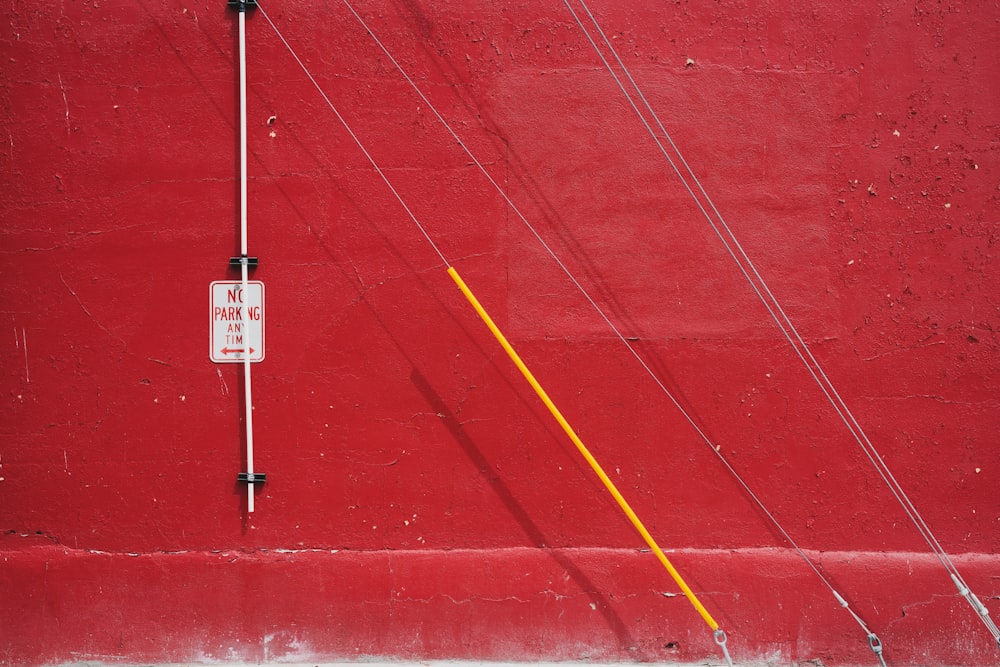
(518, 511)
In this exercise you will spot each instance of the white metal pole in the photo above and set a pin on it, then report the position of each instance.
(243, 251)
(243, 135)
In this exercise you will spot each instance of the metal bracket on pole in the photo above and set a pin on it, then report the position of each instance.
(237, 262)
(242, 6)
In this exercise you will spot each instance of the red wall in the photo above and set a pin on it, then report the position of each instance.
(420, 501)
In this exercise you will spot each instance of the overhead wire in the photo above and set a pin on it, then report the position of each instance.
(719, 634)
(774, 308)
(873, 639)
(357, 141)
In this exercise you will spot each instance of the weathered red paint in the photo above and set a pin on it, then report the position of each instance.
(420, 502)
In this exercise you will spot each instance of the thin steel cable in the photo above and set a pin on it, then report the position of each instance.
(840, 599)
(812, 365)
(357, 141)
(610, 324)
(719, 634)
(769, 302)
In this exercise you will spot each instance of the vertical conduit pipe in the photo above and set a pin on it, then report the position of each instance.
(244, 268)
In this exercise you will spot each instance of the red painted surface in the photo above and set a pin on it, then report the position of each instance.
(420, 502)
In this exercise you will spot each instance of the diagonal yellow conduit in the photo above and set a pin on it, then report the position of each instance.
(688, 593)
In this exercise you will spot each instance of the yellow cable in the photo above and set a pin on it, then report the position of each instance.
(688, 593)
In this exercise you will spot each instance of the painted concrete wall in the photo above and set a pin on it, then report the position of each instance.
(420, 502)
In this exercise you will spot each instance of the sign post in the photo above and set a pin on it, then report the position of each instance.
(240, 299)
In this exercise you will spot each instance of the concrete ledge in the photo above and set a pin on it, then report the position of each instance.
(579, 605)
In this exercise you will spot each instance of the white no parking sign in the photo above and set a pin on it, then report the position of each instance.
(237, 321)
